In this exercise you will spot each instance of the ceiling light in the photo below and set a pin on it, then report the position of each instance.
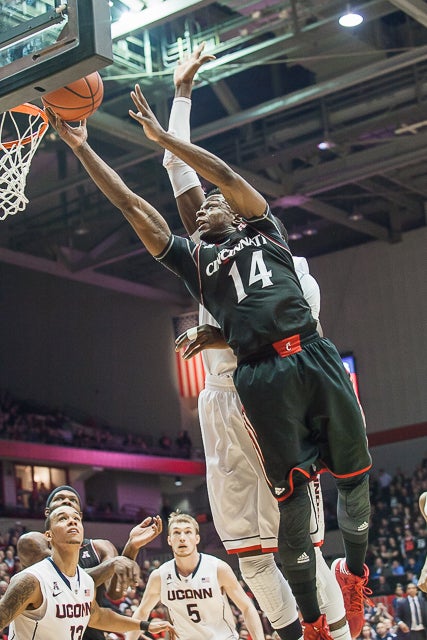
(350, 19)
(310, 231)
(355, 216)
(295, 235)
(326, 144)
(82, 229)
(178, 481)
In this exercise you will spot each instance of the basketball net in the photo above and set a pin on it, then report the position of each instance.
(16, 155)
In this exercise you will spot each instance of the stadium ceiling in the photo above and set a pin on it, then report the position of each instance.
(287, 78)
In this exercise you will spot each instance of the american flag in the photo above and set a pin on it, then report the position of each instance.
(191, 373)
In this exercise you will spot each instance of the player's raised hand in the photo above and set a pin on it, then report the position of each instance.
(73, 136)
(196, 339)
(144, 116)
(146, 531)
(189, 66)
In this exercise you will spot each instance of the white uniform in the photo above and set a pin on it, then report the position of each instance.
(197, 607)
(65, 610)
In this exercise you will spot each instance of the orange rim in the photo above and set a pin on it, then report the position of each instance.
(31, 110)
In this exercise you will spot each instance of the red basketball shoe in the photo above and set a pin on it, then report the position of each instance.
(355, 594)
(317, 630)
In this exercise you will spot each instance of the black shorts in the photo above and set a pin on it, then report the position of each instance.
(305, 416)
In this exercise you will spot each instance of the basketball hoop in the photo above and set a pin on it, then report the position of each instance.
(16, 154)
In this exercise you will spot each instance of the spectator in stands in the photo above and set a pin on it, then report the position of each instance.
(411, 614)
(382, 586)
(412, 566)
(382, 633)
(367, 632)
(9, 560)
(379, 569)
(398, 594)
(183, 443)
(165, 443)
(384, 481)
(408, 543)
(380, 614)
(397, 568)
(394, 550)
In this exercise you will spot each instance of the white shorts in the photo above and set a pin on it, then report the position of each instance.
(244, 511)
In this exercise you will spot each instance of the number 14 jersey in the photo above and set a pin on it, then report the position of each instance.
(248, 284)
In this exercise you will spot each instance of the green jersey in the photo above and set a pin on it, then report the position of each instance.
(248, 283)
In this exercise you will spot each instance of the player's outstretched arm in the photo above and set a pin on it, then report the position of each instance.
(422, 503)
(185, 182)
(104, 618)
(23, 591)
(241, 196)
(147, 222)
(422, 581)
(234, 591)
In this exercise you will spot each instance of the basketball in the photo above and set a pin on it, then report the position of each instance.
(78, 100)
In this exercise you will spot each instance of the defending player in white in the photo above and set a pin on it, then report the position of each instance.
(55, 598)
(195, 586)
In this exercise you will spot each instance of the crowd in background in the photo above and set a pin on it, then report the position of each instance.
(398, 535)
(397, 552)
(27, 421)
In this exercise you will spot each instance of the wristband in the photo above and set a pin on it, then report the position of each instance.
(143, 625)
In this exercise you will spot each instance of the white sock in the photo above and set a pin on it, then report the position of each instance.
(266, 581)
(343, 633)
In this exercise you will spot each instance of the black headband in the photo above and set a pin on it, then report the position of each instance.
(63, 487)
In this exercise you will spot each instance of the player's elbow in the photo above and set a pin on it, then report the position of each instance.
(228, 177)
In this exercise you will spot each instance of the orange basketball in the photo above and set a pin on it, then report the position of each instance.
(78, 100)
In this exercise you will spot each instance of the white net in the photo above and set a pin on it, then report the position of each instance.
(21, 131)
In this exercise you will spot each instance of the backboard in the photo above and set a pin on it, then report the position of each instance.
(46, 44)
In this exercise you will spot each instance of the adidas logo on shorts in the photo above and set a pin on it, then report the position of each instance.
(303, 558)
(363, 526)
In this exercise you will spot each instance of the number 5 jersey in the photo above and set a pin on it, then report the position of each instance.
(198, 608)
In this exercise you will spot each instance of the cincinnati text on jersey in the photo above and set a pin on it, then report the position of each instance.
(225, 254)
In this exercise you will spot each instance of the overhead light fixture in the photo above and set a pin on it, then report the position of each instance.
(178, 481)
(326, 144)
(295, 235)
(310, 231)
(350, 18)
(355, 216)
(82, 229)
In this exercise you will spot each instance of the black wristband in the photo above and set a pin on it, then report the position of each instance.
(143, 625)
